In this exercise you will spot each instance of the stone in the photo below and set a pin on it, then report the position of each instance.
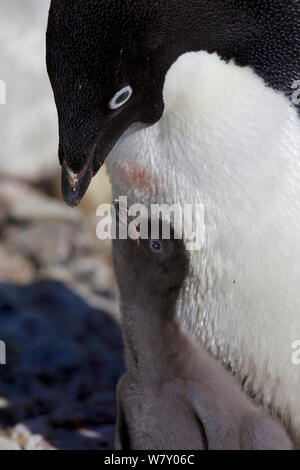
(41, 244)
(40, 208)
(20, 434)
(4, 403)
(6, 444)
(14, 267)
(65, 358)
(37, 442)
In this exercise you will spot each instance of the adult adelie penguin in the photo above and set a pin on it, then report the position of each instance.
(215, 79)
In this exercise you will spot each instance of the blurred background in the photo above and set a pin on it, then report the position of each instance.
(58, 307)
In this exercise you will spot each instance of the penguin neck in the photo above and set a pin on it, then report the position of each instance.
(150, 330)
(233, 30)
(196, 26)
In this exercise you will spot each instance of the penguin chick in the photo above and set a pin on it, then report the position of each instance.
(174, 395)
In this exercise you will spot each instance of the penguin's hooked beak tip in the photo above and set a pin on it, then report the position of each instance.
(75, 185)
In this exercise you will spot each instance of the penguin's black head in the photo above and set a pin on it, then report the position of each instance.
(107, 63)
(154, 267)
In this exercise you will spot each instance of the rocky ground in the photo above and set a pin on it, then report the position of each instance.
(58, 309)
(58, 318)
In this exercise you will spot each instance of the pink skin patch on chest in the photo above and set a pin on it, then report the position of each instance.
(135, 175)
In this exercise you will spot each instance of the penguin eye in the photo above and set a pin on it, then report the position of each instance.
(156, 246)
(121, 97)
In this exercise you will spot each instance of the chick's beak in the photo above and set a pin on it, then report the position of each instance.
(126, 221)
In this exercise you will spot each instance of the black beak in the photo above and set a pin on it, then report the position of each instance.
(75, 185)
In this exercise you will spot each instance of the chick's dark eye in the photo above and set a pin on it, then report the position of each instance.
(156, 246)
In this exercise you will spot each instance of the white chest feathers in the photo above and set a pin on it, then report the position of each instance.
(228, 141)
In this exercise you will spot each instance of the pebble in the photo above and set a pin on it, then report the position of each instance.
(6, 444)
(4, 403)
(14, 266)
(43, 208)
(57, 316)
(20, 435)
(36, 442)
(65, 359)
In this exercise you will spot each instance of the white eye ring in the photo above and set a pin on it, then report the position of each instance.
(121, 97)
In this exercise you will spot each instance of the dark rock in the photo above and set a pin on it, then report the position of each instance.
(64, 359)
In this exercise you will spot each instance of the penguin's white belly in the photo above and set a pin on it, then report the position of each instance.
(228, 141)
